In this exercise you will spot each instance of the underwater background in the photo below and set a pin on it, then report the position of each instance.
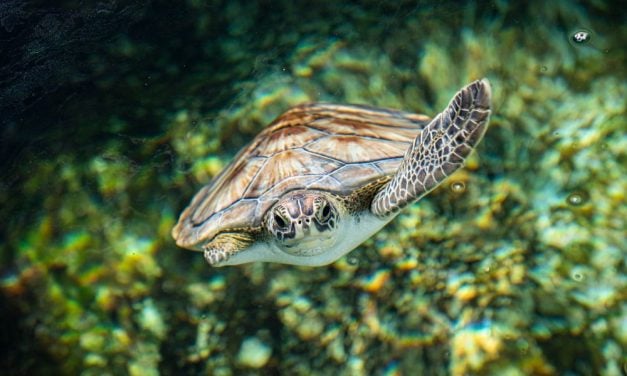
(114, 113)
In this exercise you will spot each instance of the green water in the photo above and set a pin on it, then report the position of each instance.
(113, 115)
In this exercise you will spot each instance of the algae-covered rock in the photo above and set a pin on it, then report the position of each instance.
(253, 353)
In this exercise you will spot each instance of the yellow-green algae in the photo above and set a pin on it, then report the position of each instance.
(507, 276)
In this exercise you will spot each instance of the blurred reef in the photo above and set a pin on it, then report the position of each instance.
(115, 114)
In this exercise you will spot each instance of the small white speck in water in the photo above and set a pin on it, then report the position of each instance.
(458, 187)
(581, 36)
(576, 199)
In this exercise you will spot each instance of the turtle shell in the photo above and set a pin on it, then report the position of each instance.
(334, 148)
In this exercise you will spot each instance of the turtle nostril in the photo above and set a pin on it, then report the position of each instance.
(300, 222)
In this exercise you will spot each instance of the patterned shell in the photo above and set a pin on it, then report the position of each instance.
(335, 148)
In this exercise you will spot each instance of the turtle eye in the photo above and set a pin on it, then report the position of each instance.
(279, 220)
(324, 212)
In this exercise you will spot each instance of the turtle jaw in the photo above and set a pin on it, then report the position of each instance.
(310, 239)
(309, 246)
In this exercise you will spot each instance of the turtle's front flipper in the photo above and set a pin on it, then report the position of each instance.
(439, 149)
(225, 245)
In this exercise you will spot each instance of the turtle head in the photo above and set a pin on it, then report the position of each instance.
(304, 223)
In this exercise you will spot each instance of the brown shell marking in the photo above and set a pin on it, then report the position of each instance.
(336, 148)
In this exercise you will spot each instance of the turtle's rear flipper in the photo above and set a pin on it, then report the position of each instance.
(223, 246)
(439, 150)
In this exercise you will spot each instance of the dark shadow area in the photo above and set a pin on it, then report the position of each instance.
(19, 354)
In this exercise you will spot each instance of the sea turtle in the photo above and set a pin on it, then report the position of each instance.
(322, 178)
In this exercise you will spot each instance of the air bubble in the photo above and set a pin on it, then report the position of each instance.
(352, 260)
(576, 276)
(576, 199)
(544, 69)
(581, 36)
(458, 187)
